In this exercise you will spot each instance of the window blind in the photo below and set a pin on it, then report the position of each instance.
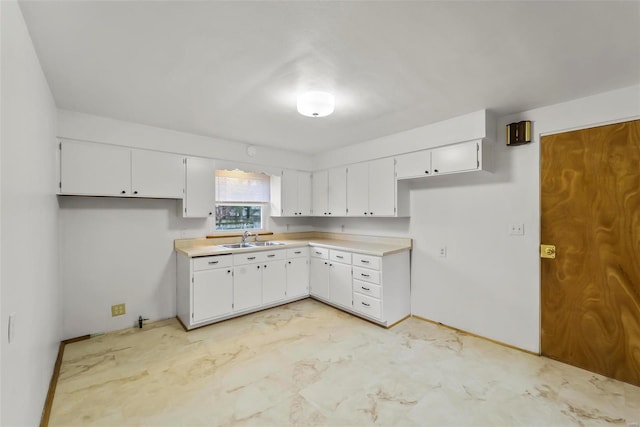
(242, 187)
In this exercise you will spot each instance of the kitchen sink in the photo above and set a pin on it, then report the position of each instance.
(265, 244)
(236, 245)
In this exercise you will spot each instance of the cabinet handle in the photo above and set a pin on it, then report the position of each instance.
(297, 252)
(228, 271)
(289, 262)
(258, 267)
(325, 213)
(326, 263)
(123, 192)
(251, 257)
(339, 256)
(365, 213)
(364, 261)
(364, 275)
(370, 213)
(265, 266)
(366, 305)
(271, 256)
(210, 213)
(213, 262)
(435, 170)
(366, 289)
(135, 192)
(330, 265)
(427, 172)
(318, 253)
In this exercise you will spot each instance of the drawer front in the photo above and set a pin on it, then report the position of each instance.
(210, 262)
(367, 288)
(367, 305)
(340, 256)
(319, 252)
(298, 252)
(367, 261)
(258, 256)
(367, 275)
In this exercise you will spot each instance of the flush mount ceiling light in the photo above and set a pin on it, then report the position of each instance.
(316, 104)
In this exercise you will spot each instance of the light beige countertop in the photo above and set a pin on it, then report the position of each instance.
(368, 245)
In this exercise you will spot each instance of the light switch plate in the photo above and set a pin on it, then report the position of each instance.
(443, 252)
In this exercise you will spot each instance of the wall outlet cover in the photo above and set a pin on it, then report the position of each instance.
(118, 310)
(516, 229)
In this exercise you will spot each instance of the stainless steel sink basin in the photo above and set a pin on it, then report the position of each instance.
(236, 245)
(265, 244)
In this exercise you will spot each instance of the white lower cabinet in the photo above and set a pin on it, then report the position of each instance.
(297, 272)
(319, 272)
(340, 280)
(218, 287)
(212, 293)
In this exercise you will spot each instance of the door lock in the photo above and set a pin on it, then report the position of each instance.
(548, 251)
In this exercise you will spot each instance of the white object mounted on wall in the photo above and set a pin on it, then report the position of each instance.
(316, 104)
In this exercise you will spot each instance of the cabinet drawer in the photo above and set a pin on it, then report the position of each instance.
(340, 256)
(367, 305)
(367, 275)
(210, 262)
(366, 261)
(258, 256)
(298, 252)
(320, 253)
(367, 288)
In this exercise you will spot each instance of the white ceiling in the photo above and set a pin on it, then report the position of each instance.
(232, 69)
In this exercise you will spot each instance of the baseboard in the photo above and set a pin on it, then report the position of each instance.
(48, 403)
(471, 334)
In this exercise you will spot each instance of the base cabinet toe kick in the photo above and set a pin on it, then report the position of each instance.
(214, 288)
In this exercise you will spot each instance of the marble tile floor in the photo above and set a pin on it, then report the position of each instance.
(306, 363)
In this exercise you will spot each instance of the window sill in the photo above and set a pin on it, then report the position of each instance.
(224, 234)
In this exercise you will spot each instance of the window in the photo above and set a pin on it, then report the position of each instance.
(241, 199)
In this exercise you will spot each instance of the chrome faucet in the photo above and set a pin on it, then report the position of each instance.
(245, 235)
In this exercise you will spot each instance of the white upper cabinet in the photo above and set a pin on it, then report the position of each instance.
(320, 193)
(291, 194)
(337, 204)
(330, 192)
(456, 158)
(199, 197)
(413, 165)
(156, 174)
(382, 187)
(94, 169)
(106, 170)
(371, 188)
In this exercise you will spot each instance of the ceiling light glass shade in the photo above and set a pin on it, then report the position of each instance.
(316, 104)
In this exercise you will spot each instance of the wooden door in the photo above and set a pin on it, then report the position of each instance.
(590, 208)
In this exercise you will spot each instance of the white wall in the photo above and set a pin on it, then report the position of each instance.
(121, 250)
(29, 224)
(489, 282)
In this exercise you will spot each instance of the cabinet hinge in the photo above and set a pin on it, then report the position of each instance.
(191, 315)
(233, 305)
(347, 210)
(394, 210)
(191, 279)
(60, 185)
(478, 163)
(60, 146)
(185, 210)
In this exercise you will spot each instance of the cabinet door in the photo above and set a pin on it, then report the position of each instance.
(358, 190)
(455, 158)
(247, 286)
(319, 191)
(212, 293)
(297, 277)
(340, 284)
(155, 174)
(338, 192)
(382, 187)
(95, 169)
(274, 281)
(319, 278)
(289, 193)
(413, 165)
(304, 193)
(199, 197)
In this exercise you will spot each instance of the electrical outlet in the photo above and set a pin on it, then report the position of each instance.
(443, 252)
(516, 230)
(118, 310)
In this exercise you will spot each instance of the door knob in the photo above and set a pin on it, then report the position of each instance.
(548, 251)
